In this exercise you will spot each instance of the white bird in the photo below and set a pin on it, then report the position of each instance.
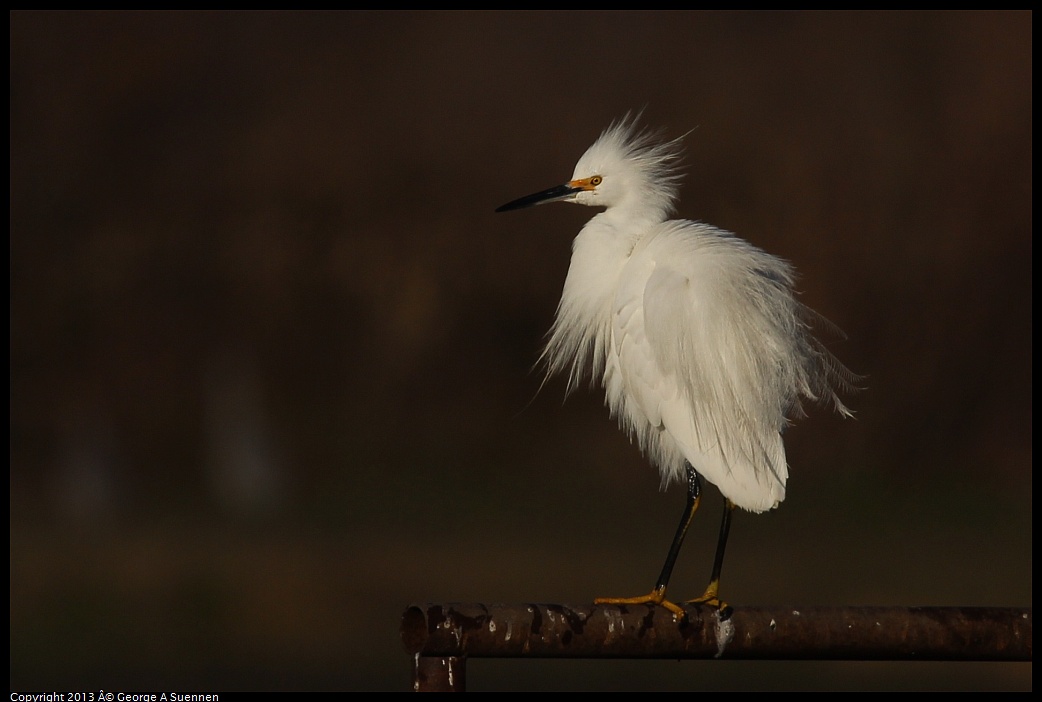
(696, 335)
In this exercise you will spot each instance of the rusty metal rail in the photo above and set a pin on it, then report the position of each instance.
(440, 637)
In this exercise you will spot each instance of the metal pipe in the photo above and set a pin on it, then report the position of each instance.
(444, 674)
(775, 633)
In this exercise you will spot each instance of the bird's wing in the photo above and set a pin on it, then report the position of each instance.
(634, 377)
(707, 368)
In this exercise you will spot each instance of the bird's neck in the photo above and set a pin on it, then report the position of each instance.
(617, 230)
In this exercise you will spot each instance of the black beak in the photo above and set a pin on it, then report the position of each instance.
(558, 192)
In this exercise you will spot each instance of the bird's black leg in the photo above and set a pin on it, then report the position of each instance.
(658, 595)
(694, 498)
(711, 595)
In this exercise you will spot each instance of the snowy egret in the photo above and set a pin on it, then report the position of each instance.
(702, 348)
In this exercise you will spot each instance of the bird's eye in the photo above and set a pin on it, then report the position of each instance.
(596, 180)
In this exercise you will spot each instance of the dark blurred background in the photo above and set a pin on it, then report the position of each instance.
(272, 352)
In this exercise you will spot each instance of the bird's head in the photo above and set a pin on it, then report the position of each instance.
(626, 167)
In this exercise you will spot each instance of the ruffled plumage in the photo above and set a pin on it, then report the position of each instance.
(696, 335)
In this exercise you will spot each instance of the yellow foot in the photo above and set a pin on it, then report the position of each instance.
(710, 599)
(655, 597)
